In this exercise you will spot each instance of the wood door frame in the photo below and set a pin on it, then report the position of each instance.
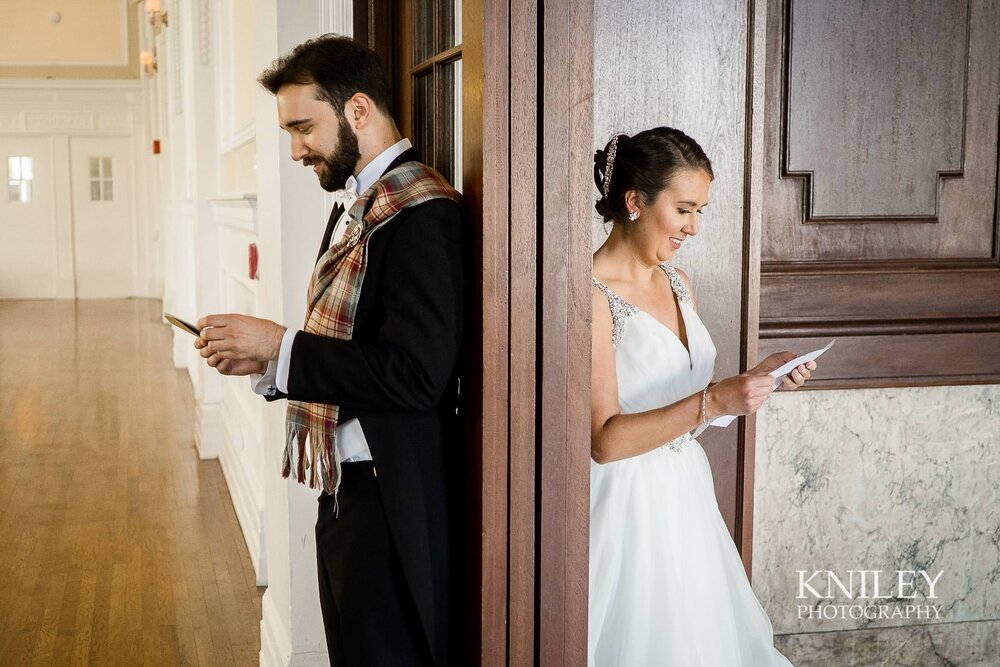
(527, 136)
(533, 116)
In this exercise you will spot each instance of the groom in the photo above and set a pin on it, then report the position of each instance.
(370, 380)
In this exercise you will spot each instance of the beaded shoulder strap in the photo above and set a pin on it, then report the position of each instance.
(620, 310)
(680, 289)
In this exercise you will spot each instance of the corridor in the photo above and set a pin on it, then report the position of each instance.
(118, 546)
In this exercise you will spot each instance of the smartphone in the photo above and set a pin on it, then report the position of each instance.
(181, 324)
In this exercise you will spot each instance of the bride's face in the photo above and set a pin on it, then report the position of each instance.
(672, 217)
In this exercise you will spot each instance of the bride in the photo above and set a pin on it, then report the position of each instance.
(667, 586)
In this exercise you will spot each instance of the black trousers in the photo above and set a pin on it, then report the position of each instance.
(368, 613)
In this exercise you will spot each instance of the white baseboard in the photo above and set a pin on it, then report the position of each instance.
(208, 429)
(246, 501)
(276, 643)
(275, 638)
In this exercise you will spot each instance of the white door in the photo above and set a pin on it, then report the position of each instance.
(103, 220)
(27, 219)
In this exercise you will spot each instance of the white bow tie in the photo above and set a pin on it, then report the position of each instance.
(348, 195)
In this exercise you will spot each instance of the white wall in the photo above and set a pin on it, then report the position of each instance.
(292, 210)
(215, 205)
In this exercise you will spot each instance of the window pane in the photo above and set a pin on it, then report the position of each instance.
(95, 191)
(95, 167)
(423, 114)
(458, 21)
(444, 121)
(423, 30)
(107, 191)
(433, 27)
(457, 146)
(445, 28)
(19, 178)
(106, 167)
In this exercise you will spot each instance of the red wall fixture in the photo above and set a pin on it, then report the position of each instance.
(252, 248)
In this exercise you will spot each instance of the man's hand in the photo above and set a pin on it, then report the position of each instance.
(238, 344)
(235, 366)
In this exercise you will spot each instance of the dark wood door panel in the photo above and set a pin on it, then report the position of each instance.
(899, 360)
(847, 293)
(879, 199)
(881, 136)
(843, 124)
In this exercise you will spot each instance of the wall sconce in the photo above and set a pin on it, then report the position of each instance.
(148, 62)
(157, 17)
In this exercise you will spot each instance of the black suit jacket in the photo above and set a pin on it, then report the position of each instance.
(398, 377)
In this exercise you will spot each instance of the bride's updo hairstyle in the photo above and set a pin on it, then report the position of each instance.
(647, 163)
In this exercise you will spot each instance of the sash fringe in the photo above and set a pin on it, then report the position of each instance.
(317, 455)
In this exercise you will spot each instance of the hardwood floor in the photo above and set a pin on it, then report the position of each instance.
(117, 545)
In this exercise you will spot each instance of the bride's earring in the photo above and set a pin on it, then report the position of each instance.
(633, 215)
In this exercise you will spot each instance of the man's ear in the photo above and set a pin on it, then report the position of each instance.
(359, 111)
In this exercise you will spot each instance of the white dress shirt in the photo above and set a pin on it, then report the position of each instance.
(351, 442)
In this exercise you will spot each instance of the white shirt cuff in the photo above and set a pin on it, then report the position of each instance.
(284, 360)
(264, 383)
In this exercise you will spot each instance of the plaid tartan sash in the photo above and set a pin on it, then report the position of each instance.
(310, 428)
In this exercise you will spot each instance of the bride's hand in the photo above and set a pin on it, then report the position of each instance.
(771, 362)
(739, 395)
(795, 379)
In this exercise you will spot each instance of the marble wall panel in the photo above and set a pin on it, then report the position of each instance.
(902, 479)
(968, 644)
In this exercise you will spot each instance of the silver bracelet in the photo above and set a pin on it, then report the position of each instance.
(704, 404)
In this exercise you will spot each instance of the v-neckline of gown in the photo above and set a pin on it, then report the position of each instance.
(680, 315)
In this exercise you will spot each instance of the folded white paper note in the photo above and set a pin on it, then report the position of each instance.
(778, 373)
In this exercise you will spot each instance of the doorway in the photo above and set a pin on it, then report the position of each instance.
(103, 217)
(67, 220)
(27, 220)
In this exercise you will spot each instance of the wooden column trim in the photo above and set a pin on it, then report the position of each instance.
(753, 189)
(524, 203)
(486, 190)
(566, 37)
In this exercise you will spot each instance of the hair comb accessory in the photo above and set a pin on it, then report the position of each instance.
(610, 165)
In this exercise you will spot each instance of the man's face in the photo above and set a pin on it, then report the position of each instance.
(321, 136)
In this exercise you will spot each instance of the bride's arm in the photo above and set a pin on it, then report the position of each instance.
(614, 436)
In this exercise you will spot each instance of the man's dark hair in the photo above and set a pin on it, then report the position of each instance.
(338, 65)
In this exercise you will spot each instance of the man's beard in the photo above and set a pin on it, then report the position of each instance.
(339, 165)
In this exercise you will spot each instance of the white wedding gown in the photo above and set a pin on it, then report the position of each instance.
(667, 586)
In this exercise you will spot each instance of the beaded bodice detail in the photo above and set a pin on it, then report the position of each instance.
(622, 309)
(680, 289)
(652, 365)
